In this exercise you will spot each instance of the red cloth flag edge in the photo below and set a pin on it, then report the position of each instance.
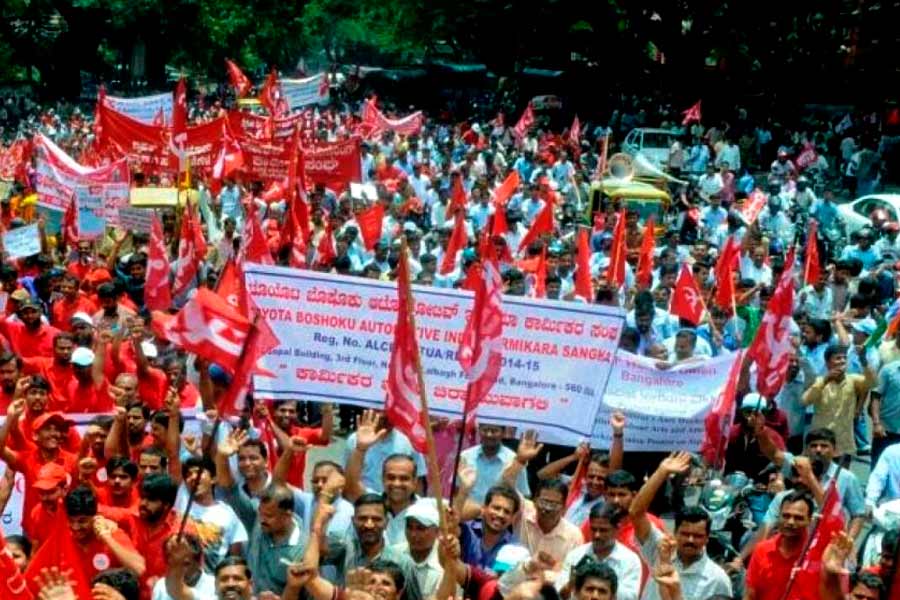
(687, 302)
(645, 260)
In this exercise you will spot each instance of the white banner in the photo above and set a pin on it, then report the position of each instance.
(664, 408)
(58, 176)
(11, 519)
(303, 92)
(136, 219)
(22, 242)
(336, 334)
(143, 108)
(89, 201)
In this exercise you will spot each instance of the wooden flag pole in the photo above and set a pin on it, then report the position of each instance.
(434, 470)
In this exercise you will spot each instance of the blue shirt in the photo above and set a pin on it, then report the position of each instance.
(847, 485)
(488, 470)
(869, 257)
(393, 443)
(888, 387)
(884, 481)
(339, 527)
(473, 550)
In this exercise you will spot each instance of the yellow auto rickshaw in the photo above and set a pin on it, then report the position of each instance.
(638, 196)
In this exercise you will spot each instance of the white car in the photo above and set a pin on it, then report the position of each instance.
(855, 214)
(653, 144)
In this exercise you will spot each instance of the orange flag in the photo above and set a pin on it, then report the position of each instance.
(615, 272)
(583, 284)
(458, 241)
(812, 270)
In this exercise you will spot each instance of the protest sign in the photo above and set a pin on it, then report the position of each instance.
(335, 165)
(22, 241)
(265, 161)
(248, 124)
(11, 517)
(303, 92)
(89, 202)
(361, 191)
(144, 108)
(664, 408)
(135, 219)
(335, 337)
(57, 176)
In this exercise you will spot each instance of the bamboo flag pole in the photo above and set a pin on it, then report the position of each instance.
(434, 470)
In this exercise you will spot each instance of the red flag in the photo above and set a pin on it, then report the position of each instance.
(542, 225)
(540, 275)
(230, 286)
(254, 247)
(157, 287)
(401, 406)
(602, 160)
(208, 326)
(325, 249)
(12, 582)
(807, 156)
(60, 551)
(458, 240)
(717, 423)
(260, 341)
(583, 283)
(753, 206)
(615, 272)
(239, 81)
(70, 222)
(724, 273)
(458, 198)
(575, 132)
(812, 268)
(370, 222)
(645, 260)
(299, 219)
(481, 347)
(323, 85)
(771, 348)
(687, 302)
(179, 112)
(499, 226)
(691, 114)
(189, 254)
(230, 158)
(525, 122)
(830, 522)
(506, 189)
(576, 484)
(271, 96)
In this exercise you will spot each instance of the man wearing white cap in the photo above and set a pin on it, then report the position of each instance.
(88, 392)
(421, 544)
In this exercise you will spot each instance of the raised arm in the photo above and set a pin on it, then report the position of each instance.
(527, 450)
(467, 508)
(178, 553)
(13, 414)
(129, 557)
(553, 469)
(676, 463)
(327, 421)
(764, 437)
(224, 451)
(367, 435)
(282, 468)
(97, 367)
(617, 448)
(116, 443)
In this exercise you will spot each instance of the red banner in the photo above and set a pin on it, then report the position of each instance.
(264, 161)
(335, 165)
(251, 125)
(150, 148)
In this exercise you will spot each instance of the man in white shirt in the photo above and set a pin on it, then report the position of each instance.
(700, 576)
(755, 268)
(422, 531)
(710, 183)
(604, 549)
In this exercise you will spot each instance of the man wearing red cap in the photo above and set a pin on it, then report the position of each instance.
(52, 482)
(48, 432)
(36, 392)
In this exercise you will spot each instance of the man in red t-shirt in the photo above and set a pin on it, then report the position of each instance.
(10, 366)
(28, 336)
(285, 419)
(88, 391)
(48, 432)
(56, 369)
(52, 482)
(155, 523)
(36, 392)
(73, 301)
(773, 559)
(100, 544)
(120, 491)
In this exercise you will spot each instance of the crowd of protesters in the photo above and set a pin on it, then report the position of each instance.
(77, 339)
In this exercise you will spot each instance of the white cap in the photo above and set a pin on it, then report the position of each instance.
(425, 513)
(149, 349)
(82, 316)
(83, 357)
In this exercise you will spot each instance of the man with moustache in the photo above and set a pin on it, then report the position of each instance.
(156, 522)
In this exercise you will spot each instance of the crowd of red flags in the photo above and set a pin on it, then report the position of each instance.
(771, 348)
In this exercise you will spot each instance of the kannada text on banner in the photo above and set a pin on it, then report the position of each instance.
(336, 332)
(665, 408)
